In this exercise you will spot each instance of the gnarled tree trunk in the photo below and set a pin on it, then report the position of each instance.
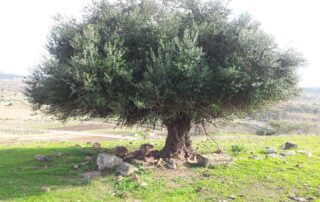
(178, 144)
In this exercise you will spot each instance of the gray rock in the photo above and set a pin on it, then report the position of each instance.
(307, 153)
(270, 150)
(213, 160)
(275, 156)
(160, 162)
(300, 199)
(126, 169)
(105, 161)
(121, 151)
(41, 158)
(76, 166)
(206, 174)
(289, 145)
(171, 164)
(288, 153)
(265, 131)
(256, 157)
(232, 197)
(146, 149)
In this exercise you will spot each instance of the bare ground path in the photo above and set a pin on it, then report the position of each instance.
(61, 135)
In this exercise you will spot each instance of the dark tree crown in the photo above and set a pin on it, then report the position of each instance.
(145, 61)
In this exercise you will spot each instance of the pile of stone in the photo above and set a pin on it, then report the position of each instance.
(287, 150)
(124, 162)
(120, 159)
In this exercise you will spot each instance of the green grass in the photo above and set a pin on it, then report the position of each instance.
(21, 177)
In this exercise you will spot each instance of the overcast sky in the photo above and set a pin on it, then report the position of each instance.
(25, 25)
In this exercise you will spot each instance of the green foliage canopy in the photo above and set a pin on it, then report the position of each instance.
(145, 61)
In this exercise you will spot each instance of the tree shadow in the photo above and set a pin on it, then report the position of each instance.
(22, 176)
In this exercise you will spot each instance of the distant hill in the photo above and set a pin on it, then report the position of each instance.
(10, 76)
(312, 90)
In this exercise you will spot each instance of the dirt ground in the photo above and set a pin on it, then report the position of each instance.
(20, 124)
(87, 126)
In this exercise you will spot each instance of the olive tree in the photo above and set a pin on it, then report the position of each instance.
(174, 62)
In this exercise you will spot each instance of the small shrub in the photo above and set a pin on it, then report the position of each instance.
(237, 149)
(86, 181)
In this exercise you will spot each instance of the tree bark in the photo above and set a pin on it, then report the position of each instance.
(178, 144)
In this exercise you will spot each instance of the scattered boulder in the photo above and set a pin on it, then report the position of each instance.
(146, 149)
(134, 155)
(232, 197)
(288, 153)
(273, 155)
(41, 158)
(201, 161)
(270, 150)
(126, 169)
(307, 153)
(212, 160)
(76, 166)
(121, 151)
(256, 157)
(289, 145)
(160, 162)
(265, 131)
(155, 153)
(105, 160)
(171, 164)
(300, 199)
(206, 174)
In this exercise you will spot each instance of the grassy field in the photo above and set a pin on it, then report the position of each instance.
(24, 179)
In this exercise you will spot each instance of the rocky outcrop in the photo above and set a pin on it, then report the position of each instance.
(107, 161)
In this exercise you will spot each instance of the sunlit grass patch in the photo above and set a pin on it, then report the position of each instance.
(269, 179)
